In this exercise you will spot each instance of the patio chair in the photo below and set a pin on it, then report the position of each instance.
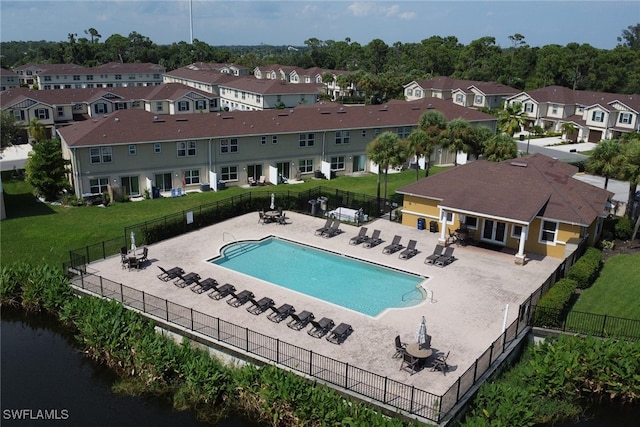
(411, 250)
(321, 327)
(170, 274)
(372, 241)
(299, 321)
(145, 254)
(282, 219)
(222, 291)
(260, 306)
(446, 258)
(400, 347)
(240, 298)
(440, 363)
(409, 363)
(340, 333)
(124, 257)
(262, 180)
(394, 246)
(204, 286)
(252, 181)
(334, 230)
(186, 280)
(261, 217)
(324, 228)
(133, 262)
(360, 237)
(437, 253)
(281, 313)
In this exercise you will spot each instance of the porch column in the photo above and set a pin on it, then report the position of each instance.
(523, 238)
(443, 228)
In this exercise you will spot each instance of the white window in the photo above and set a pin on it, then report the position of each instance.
(100, 155)
(121, 105)
(307, 140)
(469, 221)
(157, 147)
(130, 185)
(186, 149)
(305, 166)
(159, 106)
(258, 98)
(364, 133)
(548, 232)
(342, 137)
(516, 231)
(597, 116)
(459, 98)
(201, 104)
(274, 139)
(337, 163)
(229, 173)
(60, 111)
(100, 108)
(191, 176)
(90, 77)
(263, 140)
(133, 149)
(98, 185)
(183, 106)
(76, 78)
(447, 215)
(479, 99)
(42, 113)
(118, 76)
(528, 107)
(554, 109)
(229, 145)
(409, 92)
(18, 114)
(625, 118)
(403, 132)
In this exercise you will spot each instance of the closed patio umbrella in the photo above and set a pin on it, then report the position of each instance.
(422, 333)
(133, 241)
(273, 201)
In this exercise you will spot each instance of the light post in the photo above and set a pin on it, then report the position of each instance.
(528, 137)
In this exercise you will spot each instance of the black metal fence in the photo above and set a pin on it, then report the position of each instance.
(168, 226)
(406, 398)
(598, 325)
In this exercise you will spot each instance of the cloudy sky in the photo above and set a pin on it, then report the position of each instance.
(291, 22)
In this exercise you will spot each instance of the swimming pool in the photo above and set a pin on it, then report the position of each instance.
(357, 285)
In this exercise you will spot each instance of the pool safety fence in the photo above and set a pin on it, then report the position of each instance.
(184, 221)
(408, 399)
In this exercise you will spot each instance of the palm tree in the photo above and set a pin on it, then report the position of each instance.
(568, 129)
(458, 136)
(418, 145)
(630, 171)
(386, 151)
(605, 160)
(511, 118)
(434, 124)
(500, 147)
(479, 136)
(37, 130)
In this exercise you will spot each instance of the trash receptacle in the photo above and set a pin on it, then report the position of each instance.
(421, 223)
(205, 187)
(221, 185)
(314, 206)
(323, 202)
(155, 192)
(433, 226)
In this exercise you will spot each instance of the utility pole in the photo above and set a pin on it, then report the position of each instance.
(191, 20)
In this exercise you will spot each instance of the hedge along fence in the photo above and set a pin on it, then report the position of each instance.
(173, 225)
(586, 270)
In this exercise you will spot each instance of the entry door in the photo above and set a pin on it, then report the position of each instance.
(254, 171)
(494, 231)
(358, 163)
(284, 168)
(163, 181)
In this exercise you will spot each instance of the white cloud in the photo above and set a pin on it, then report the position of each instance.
(361, 8)
(407, 15)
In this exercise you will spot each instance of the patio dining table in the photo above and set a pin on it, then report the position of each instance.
(419, 352)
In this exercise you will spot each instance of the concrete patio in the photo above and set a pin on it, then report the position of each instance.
(464, 315)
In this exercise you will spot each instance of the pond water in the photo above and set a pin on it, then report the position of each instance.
(45, 379)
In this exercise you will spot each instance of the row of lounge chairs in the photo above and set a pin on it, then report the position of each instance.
(320, 328)
(441, 256)
(331, 228)
(395, 245)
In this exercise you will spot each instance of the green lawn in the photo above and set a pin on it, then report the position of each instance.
(617, 291)
(40, 232)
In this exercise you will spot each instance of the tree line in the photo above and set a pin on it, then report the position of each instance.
(384, 68)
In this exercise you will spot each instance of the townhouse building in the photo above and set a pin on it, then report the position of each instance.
(594, 115)
(467, 93)
(8, 79)
(55, 108)
(249, 93)
(135, 152)
(72, 76)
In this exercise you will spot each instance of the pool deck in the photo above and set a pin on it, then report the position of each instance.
(464, 316)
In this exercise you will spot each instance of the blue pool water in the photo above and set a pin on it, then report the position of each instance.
(357, 285)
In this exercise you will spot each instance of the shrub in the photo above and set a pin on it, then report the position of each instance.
(624, 228)
(550, 311)
(586, 269)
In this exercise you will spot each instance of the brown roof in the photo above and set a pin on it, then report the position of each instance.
(517, 190)
(447, 83)
(202, 75)
(139, 126)
(74, 96)
(566, 96)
